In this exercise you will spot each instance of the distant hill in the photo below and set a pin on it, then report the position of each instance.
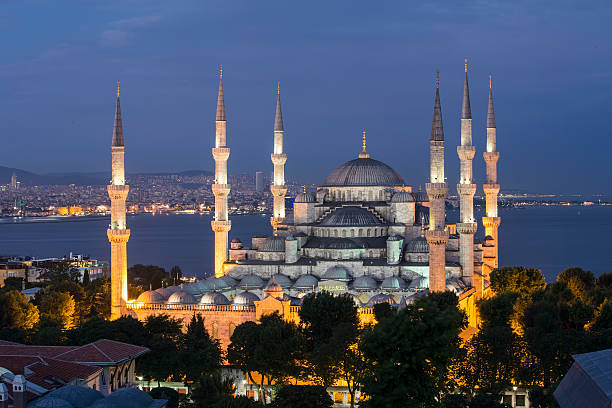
(27, 178)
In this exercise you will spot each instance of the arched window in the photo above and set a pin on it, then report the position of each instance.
(369, 232)
(336, 233)
(371, 254)
(344, 233)
(361, 232)
(215, 330)
(352, 233)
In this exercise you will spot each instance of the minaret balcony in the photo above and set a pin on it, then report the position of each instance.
(221, 190)
(278, 191)
(221, 226)
(278, 159)
(220, 153)
(491, 222)
(491, 156)
(118, 236)
(436, 191)
(466, 152)
(467, 228)
(118, 192)
(466, 189)
(490, 189)
(436, 237)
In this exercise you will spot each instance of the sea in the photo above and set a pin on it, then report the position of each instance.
(550, 238)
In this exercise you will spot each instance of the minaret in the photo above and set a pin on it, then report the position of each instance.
(466, 227)
(278, 186)
(221, 224)
(437, 188)
(491, 188)
(118, 234)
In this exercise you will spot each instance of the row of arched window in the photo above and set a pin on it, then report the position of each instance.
(349, 232)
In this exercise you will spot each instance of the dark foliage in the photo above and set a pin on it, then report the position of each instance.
(302, 396)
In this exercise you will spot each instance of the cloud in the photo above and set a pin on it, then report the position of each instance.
(120, 32)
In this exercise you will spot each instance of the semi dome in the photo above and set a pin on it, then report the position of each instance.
(245, 298)
(402, 197)
(350, 217)
(282, 280)
(363, 172)
(251, 282)
(365, 282)
(393, 283)
(418, 245)
(150, 296)
(181, 297)
(214, 298)
(306, 282)
(273, 244)
(339, 273)
(305, 198)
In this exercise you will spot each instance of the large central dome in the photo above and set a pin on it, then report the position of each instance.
(363, 172)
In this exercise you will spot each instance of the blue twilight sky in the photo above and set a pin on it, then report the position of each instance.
(343, 66)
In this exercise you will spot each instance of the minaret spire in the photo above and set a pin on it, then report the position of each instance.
(221, 189)
(118, 127)
(437, 189)
(278, 188)
(466, 111)
(491, 189)
(466, 227)
(117, 233)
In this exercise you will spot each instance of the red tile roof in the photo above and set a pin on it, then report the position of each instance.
(103, 352)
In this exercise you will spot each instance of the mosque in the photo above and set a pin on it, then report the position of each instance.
(364, 232)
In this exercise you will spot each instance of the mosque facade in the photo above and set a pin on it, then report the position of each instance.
(364, 232)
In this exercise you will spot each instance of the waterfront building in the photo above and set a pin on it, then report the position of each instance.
(365, 232)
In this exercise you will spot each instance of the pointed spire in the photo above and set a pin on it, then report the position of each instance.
(278, 119)
(118, 126)
(437, 131)
(364, 154)
(466, 111)
(220, 99)
(491, 112)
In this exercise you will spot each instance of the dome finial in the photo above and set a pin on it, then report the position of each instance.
(364, 154)
(304, 188)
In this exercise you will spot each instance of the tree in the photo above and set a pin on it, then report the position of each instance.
(302, 396)
(163, 336)
(411, 351)
(353, 365)
(12, 283)
(580, 282)
(199, 353)
(167, 393)
(176, 275)
(16, 312)
(322, 317)
(97, 303)
(516, 279)
(271, 348)
(147, 276)
(210, 388)
(59, 308)
(86, 280)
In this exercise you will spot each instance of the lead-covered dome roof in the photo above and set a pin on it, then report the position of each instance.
(273, 244)
(181, 297)
(305, 198)
(349, 217)
(339, 273)
(151, 296)
(251, 281)
(363, 172)
(245, 298)
(418, 245)
(214, 298)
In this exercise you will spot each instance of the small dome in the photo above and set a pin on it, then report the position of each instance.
(364, 172)
(402, 197)
(393, 283)
(339, 273)
(218, 284)
(395, 238)
(50, 402)
(166, 292)
(418, 245)
(214, 298)
(78, 397)
(128, 398)
(349, 217)
(236, 241)
(381, 298)
(305, 198)
(306, 282)
(245, 298)
(181, 297)
(251, 282)
(273, 244)
(365, 282)
(194, 289)
(150, 296)
(274, 289)
(229, 280)
(282, 280)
